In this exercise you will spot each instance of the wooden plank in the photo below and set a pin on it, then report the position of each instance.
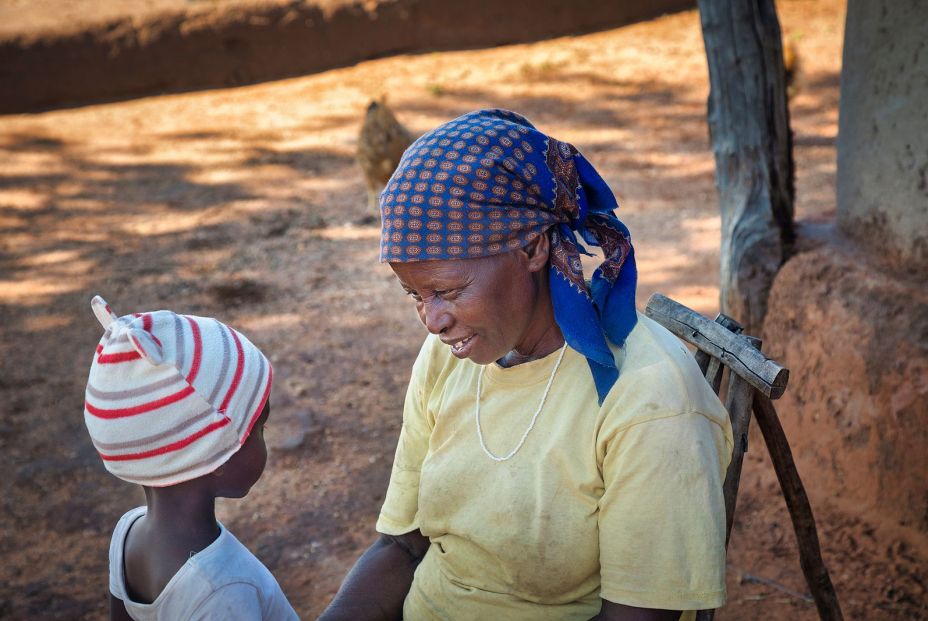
(733, 350)
(800, 512)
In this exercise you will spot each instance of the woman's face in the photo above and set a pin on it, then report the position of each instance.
(482, 308)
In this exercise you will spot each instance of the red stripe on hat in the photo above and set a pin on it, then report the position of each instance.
(168, 448)
(123, 356)
(239, 369)
(197, 350)
(257, 414)
(99, 348)
(139, 409)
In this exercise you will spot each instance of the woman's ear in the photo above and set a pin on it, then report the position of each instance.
(537, 252)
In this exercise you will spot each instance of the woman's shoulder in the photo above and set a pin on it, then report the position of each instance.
(659, 376)
(650, 344)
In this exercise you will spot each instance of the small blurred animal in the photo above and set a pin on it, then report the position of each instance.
(381, 144)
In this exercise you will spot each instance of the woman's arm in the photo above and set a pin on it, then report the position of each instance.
(375, 588)
(620, 612)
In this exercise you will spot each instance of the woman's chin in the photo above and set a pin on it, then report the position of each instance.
(476, 351)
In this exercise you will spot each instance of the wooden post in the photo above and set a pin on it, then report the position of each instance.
(749, 127)
(800, 512)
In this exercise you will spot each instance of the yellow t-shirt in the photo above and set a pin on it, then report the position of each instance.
(622, 501)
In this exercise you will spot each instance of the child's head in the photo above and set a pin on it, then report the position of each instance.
(171, 398)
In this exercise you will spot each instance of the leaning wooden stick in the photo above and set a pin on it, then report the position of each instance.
(800, 512)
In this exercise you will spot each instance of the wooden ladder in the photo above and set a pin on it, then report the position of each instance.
(753, 381)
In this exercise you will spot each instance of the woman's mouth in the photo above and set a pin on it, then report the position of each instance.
(462, 347)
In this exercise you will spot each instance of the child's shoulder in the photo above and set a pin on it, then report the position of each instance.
(128, 518)
(232, 573)
(118, 540)
(227, 560)
(117, 550)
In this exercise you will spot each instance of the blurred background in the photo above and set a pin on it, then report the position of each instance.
(208, 156)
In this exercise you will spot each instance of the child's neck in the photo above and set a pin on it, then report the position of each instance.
(180, 522)
(187, 518)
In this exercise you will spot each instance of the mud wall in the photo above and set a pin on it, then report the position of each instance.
(240, 45)
(882, 151)
(850, 316)
(855, 338)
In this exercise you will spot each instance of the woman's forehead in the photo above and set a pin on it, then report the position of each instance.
(439, 273)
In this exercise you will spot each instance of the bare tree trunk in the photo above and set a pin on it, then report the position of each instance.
(749, 127)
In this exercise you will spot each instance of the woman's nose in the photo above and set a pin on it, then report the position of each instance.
(435, 317)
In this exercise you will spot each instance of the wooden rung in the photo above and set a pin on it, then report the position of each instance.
(733, 350)
(702, 358)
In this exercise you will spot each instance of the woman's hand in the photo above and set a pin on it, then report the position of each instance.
(620, 612)
(376, 587)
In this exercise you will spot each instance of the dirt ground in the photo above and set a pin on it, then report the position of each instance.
(246, 204)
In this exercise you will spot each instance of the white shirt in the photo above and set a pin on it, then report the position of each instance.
(223, 581)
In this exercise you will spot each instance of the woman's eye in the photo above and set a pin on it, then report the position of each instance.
(441, 294)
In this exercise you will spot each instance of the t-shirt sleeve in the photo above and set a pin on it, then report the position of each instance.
(400, 508)
(116, 565)
(232, 602)
(662, 515)
(117, 552)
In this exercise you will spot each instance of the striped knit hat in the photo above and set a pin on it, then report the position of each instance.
(171, 397)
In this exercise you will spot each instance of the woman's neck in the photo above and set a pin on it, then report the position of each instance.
(547, 342)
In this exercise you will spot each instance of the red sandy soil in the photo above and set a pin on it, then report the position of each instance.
(247, 204)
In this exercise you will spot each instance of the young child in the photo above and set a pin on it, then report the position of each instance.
(177, 404)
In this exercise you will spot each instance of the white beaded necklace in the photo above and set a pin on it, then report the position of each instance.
(531, 425)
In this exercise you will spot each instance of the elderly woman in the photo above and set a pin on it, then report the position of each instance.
(561, 456)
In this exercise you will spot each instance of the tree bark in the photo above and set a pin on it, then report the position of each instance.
(751, 140)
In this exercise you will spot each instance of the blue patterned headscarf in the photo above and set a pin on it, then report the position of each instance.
(488, 182)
